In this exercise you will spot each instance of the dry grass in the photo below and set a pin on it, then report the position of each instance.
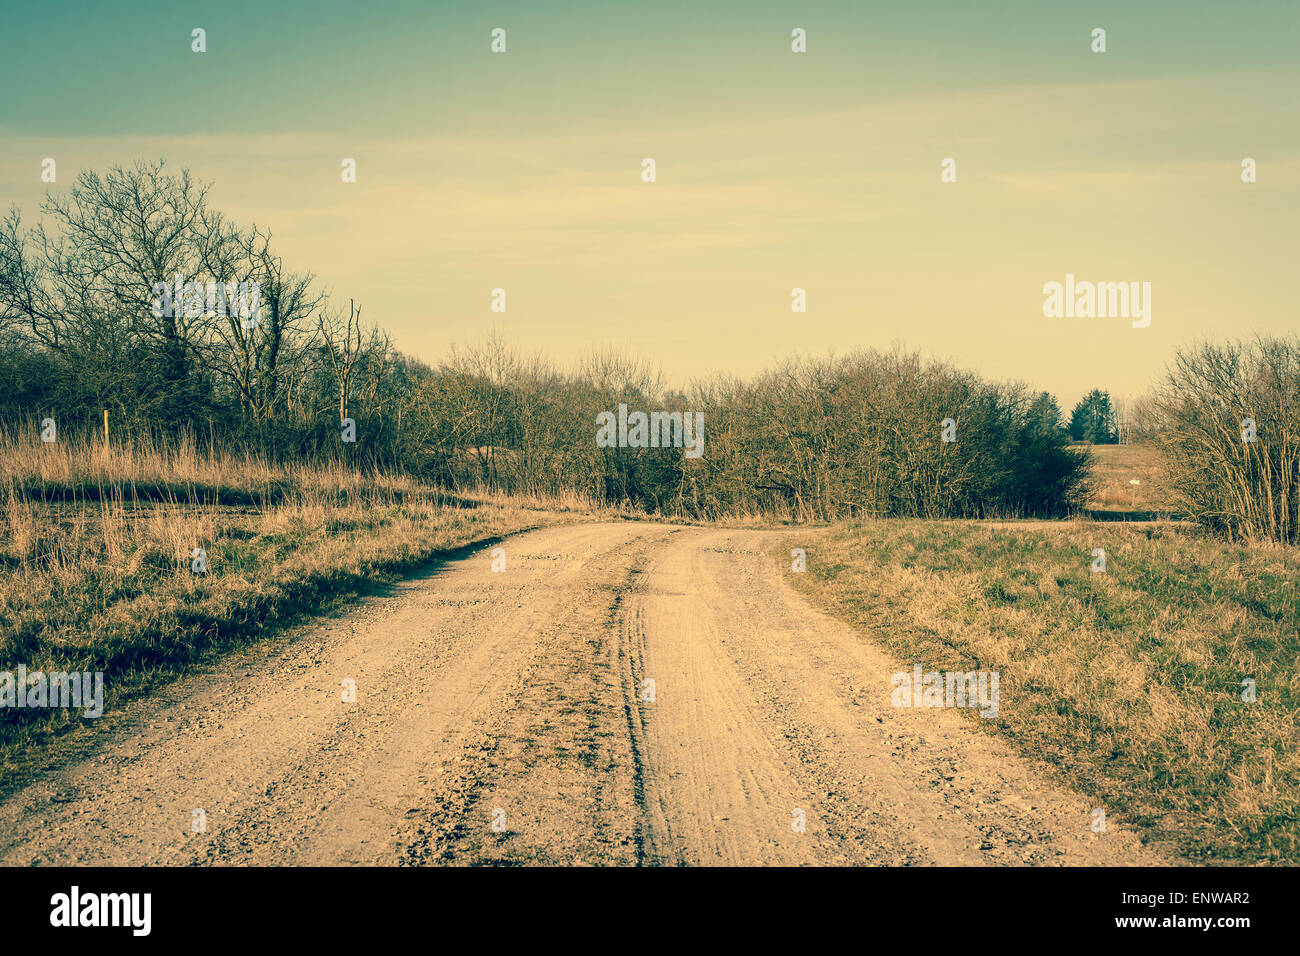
(96, 577)
(180, 473)
(1128, 682)
(1115, 466)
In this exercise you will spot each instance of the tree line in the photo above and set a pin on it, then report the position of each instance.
(868, 433)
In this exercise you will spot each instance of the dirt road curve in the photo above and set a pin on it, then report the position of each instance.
(499, 717)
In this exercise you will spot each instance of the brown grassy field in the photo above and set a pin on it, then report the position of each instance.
(96, 545)
(1114, 469)
(1128, 683)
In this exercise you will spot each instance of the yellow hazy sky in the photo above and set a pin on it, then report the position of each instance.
(775, 170)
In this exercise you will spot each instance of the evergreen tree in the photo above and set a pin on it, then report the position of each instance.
(1093, 420)
(1044, 416)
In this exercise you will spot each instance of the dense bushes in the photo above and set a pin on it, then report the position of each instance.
(1228, 417)
(863, 435)
(813, 439)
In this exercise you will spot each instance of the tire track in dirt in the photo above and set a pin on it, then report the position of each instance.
(287, 773)
(561, 770)
(767, 706)
(505, 718)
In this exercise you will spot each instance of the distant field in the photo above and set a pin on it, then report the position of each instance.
(1129, 682)
(1114, 469)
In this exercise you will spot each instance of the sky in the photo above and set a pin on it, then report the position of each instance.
(775, 170)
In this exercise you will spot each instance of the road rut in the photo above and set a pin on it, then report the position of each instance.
(620, 694)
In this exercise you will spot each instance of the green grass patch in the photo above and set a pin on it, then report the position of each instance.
(1129, 682)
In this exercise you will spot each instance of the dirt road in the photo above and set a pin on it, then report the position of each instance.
(507, 716)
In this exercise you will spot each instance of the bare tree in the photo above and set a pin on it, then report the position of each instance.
(87, 291)
(342, 340)
(251, 354)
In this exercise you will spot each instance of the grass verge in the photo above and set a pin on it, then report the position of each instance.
(105, 583)
(1129, 682)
